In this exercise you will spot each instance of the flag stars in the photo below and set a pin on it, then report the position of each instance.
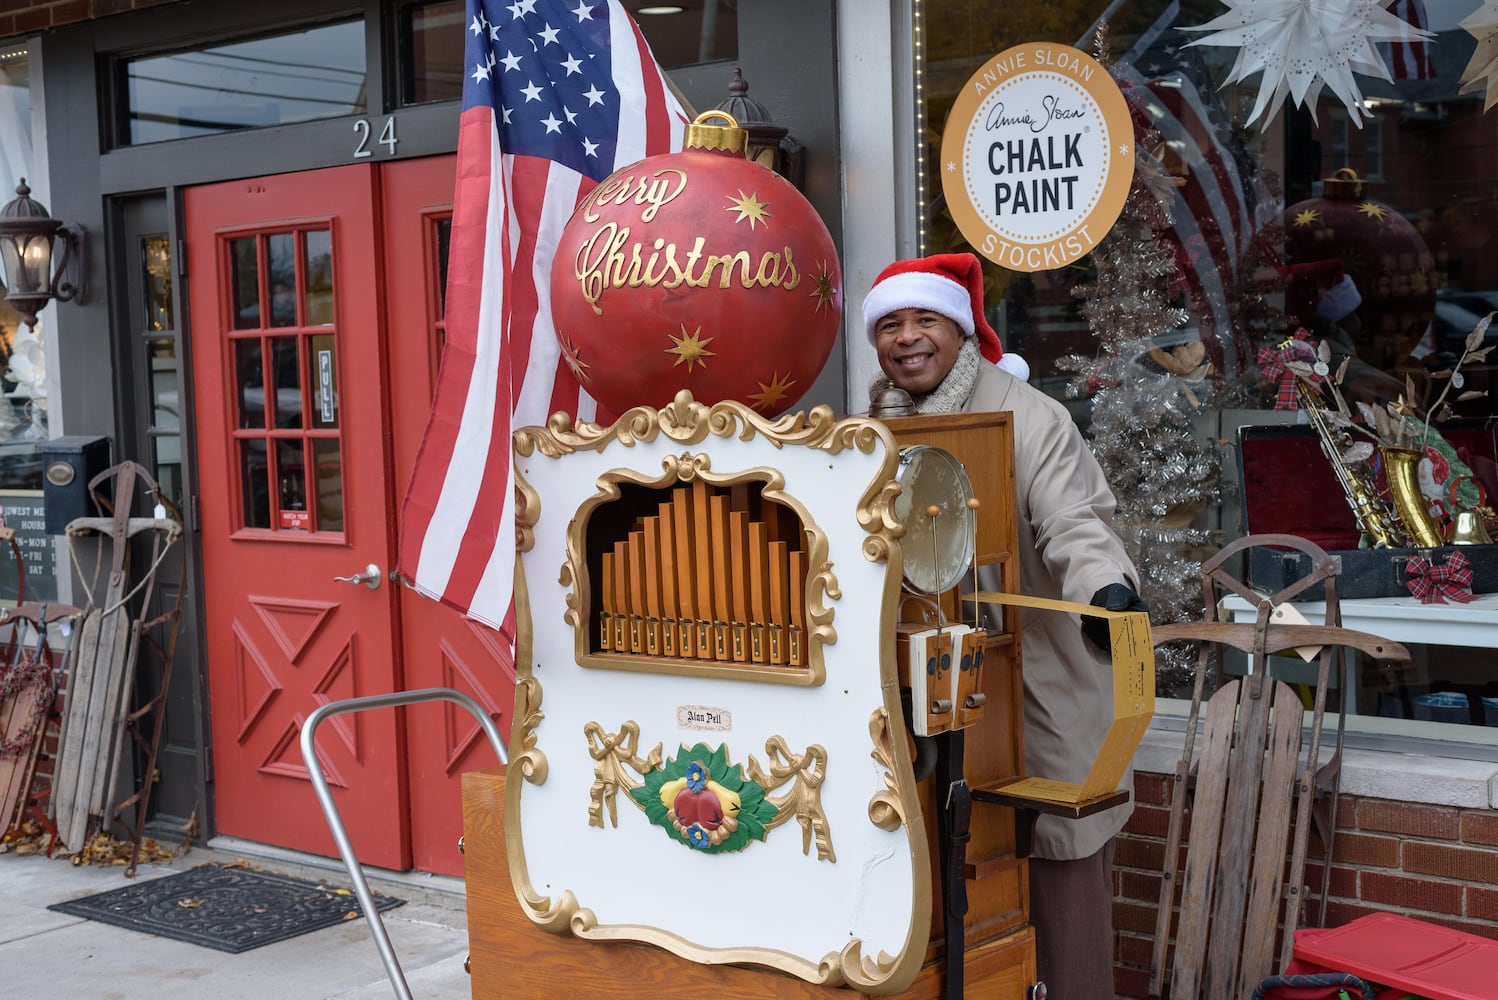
(532, 93)
(572, 64)
(522, 7)
(507, 112)
(552, 123)
(571, 115)
(511, 61)
(480, 73)
(477, 27)
(549, 36)
(594, 96)
(590, 149)
(583, 11)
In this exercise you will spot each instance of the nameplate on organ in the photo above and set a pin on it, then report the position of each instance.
(698, 576)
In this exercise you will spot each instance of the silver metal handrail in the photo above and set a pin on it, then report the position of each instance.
(330, 808)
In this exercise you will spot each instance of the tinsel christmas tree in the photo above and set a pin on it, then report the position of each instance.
(1150, 388)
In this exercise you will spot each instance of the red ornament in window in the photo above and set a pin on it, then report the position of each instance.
(696, 270)
(1385, 256)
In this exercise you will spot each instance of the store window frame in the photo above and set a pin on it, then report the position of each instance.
(913, 236)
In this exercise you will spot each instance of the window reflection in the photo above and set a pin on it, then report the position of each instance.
(297, 76)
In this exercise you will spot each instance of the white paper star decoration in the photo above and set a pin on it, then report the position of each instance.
(1302, 45)
(1482, 71)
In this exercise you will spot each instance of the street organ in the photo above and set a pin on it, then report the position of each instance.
(761, 747)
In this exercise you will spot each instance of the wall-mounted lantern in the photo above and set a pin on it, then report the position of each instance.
(769, 145)
(30, 240)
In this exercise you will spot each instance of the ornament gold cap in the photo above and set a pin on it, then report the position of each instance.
(729, 138)
(1344, 184)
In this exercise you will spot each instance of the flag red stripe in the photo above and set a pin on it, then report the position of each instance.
(464, 290)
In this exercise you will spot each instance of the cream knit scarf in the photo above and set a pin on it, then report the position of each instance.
(952, 395)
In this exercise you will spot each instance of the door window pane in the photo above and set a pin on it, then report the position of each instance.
(291, 498)
(244, 268)
(249, 381)
(288, 382)
(156, 262)
(328, 463)
(255, 480)
(280, 257)
(322, 377)
(292, 77)
(319, 277)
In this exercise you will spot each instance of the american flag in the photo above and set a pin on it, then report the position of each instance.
(559, 94)
(1409, 60)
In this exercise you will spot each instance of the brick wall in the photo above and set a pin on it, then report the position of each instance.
(1433, 863)
(28, 16)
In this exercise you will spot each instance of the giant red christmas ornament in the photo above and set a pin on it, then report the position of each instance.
(1385, 256)
(696, 270)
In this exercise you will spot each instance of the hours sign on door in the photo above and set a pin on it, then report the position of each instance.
(1037, 156)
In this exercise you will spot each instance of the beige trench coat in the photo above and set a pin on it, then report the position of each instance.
(1068, 551)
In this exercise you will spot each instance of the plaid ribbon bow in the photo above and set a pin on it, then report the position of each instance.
(1435, 584)
(1274, 367)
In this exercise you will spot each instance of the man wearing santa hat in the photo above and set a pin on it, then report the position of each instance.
(925, 319)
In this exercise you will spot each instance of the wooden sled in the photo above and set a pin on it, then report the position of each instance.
(101, 677)
(1235, 894)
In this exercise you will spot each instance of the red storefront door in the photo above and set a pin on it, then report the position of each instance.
(315, 303)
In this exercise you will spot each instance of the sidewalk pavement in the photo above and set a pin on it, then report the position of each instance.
(44, 954)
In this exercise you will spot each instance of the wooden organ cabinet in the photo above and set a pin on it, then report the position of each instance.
(709, 606)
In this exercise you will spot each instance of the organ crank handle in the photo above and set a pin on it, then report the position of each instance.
(370, 577)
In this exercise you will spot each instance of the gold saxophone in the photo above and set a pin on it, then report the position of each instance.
(1373, 515)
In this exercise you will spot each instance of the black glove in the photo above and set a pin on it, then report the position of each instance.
(1114, 597)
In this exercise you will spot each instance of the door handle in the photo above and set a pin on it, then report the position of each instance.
(370, 577)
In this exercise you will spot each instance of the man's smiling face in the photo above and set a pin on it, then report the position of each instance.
(916, 348)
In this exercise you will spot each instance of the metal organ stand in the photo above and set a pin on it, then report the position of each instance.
(716, 787)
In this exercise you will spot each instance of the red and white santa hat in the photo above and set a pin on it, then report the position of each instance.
(948, 284)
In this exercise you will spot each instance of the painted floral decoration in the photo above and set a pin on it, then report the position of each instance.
(704, 802)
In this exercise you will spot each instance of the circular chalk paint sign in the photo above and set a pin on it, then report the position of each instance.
(1038, 156)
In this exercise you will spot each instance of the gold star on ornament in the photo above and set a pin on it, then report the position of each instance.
(1373, 210)
(574, 359)
(690, 348)
(750, 207)
(771, 394)
(821, 288)
(1306, 218)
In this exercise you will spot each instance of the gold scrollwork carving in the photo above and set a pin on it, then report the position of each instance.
(686, 466)
(527, 513)
(615, 755)
(531, 761)
(689, 422)
(548, 914)
(865, 973)
(885, 810)
(804, 801)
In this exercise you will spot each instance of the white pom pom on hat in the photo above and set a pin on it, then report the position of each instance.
(948, 284)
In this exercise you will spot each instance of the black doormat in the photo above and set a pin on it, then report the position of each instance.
(222, 907)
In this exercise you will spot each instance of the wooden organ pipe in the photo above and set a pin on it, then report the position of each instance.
(706, 577)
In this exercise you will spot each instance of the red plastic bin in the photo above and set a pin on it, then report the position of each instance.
(1394, 950)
